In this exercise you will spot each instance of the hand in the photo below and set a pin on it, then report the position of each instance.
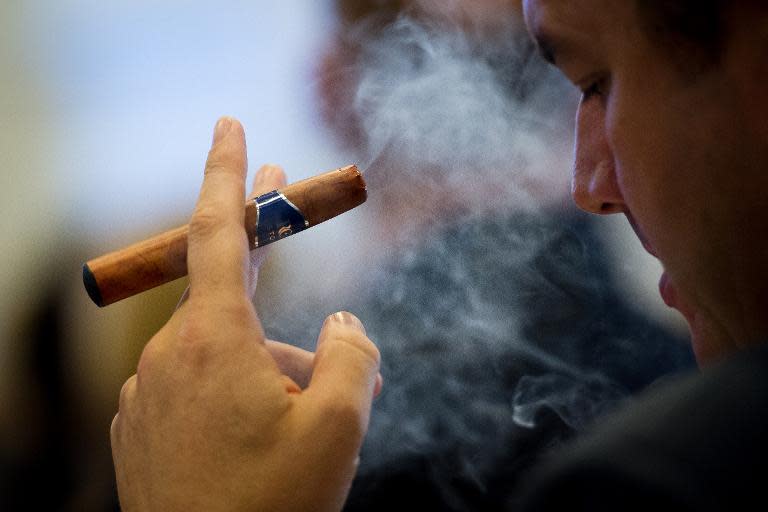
(294, 362)
(209, 422)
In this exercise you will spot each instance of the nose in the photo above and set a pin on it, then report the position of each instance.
(594, 186)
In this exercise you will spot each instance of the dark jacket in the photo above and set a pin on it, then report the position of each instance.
(699, 443)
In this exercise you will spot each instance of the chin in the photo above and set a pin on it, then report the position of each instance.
(700, 351)
(708, 347)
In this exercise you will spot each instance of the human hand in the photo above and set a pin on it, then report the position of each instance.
(209, 422)
(294, 362)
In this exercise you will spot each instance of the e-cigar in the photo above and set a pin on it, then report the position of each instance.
(268, 218)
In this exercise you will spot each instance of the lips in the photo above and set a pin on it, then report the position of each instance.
(667, 291)
(666, 288)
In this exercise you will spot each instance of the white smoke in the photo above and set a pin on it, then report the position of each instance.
(459, 113)
(500, 330)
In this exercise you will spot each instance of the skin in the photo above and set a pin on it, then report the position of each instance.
(683, 155)
(210, 421)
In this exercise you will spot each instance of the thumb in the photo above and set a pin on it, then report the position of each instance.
(346, 366)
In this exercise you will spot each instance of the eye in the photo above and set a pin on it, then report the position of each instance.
(595, 87)
(591, 91)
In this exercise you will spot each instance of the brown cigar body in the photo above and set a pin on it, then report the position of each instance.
(163, 258)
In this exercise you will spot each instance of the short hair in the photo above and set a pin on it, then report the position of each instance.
(693, 31)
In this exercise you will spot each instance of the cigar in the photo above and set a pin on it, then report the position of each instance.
(268, 218)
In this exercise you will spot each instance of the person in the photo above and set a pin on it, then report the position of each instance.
(671, 132)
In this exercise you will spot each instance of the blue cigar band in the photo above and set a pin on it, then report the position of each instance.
(276, 218)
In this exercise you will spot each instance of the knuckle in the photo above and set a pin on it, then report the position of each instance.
(114, 428)
(222, 160)
(347, 415)
(148, 360)
(373, 351)
(207, 316)
(197, 337)
(126, 393)
(221, 167)
(205, 221)
(361, 344)
(195, 353)
(193, 341)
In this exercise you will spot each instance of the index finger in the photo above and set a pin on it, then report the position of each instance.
(217, 254)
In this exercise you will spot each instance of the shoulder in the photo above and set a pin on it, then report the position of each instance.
(698, 442)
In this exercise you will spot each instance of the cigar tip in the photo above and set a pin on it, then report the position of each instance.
(91, 286)
(358, 174)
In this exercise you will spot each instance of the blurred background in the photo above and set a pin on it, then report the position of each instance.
(106, 114)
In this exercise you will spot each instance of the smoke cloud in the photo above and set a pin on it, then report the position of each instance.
(461, 113)
(500, 329)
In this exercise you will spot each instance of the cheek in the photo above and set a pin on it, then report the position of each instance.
(662, 160)
(646, 156)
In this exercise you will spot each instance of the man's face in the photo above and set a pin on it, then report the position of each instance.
(684, 156)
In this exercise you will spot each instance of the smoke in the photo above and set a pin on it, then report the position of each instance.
(466, 113)
(574, 400)
(500, 330)
(501, 336)
(425, 94)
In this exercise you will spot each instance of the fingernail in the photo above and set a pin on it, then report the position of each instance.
(265, 173)
(222, 128)
(347, 318)
(270, 169)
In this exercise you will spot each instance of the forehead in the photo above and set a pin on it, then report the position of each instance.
(536, 10)
(575, 11)
(552, 23)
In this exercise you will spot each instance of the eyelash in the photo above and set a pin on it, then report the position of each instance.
(594, 89)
